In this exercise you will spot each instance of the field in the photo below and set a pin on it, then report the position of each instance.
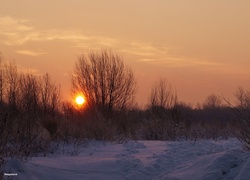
(202, 159)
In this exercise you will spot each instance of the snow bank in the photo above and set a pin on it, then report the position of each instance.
(209, 159)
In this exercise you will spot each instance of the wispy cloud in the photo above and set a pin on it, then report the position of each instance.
(30, 52)
(165, 55)
(9, 24)
(16, 32)
(19, 31)
(145, 49)
(12, 30)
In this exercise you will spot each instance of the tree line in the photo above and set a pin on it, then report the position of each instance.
(32, 114)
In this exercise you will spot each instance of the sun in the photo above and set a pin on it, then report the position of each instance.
(79, 100)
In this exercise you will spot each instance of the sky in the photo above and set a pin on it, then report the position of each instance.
(200, 47)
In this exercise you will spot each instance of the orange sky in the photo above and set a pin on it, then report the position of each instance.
(201, 47)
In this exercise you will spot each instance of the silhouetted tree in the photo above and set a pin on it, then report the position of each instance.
(212, 101)
(105, 82)
(162, 95)
(242, 123)
(12, 83)
(22, 113)
(162, 101)
(49, 94)
(2, 78)
(29, 95)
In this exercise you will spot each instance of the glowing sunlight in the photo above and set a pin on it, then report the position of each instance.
(79, 100)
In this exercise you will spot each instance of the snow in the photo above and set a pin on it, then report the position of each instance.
(204, 159)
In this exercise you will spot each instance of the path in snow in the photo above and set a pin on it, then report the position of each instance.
(204, 159)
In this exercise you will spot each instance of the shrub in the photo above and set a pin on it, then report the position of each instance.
(242, 122)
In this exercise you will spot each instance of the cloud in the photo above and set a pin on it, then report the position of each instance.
(9, 24)
(145, 49)
(165, 55)
(12, 30)
(30, 52)
(146, 60)
(18, 32)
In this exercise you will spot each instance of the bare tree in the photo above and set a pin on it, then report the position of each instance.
(212, 101)
(105, 81)
(12, 78)
(162, 95)
(3, 116)
(49, 103)
(243, 97)
(2, 78)
(162, 101)
(29, 94)
(49, 94)
(242, 123)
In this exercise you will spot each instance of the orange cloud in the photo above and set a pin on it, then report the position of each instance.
(30, 52)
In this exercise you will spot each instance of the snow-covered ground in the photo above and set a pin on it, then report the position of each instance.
(205, 159)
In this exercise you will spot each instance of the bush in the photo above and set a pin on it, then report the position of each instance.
(242, 122)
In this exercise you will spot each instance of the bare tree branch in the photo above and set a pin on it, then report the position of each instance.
(105, 81)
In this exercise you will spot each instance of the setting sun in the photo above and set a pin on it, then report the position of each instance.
(79, 100)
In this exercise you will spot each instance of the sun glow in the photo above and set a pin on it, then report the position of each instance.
(79, 100)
